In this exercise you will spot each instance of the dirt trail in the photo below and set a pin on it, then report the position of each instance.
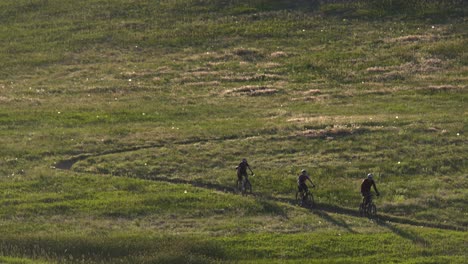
(319, 208)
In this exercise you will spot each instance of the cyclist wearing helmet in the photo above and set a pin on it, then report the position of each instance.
(301, 182)
(366, 188)
(242, 170)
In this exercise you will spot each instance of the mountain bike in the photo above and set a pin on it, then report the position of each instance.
(367, 209)
(244, 186)
(305, 199)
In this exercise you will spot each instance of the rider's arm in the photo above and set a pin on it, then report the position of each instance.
(250, 169)
(375, 188)
(313, 185)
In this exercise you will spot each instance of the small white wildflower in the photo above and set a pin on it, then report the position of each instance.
(58, 112)
(458, 134)
(396, 117)
(433, 27)
(399, 162)
(143, 113)
(185, 191)
(129, 80)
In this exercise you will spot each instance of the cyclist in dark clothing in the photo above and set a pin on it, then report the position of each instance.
(301, 182)
(366, 188)
(242, 170)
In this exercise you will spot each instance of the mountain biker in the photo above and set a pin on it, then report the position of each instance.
(242, 170)
(301, 182)
(366, 188)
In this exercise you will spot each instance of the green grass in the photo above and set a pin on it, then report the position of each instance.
(149, 106)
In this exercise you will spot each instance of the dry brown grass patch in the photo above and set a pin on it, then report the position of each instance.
(268, 65)
(279, 54)
(133, 74)
(411, 38)
(340, 120)
(332, 132)
(212, 83)
(399, 72)
(255, 77)
(251, 90)
(444, 88)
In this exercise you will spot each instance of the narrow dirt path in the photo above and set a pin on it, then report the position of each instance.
(319, 208)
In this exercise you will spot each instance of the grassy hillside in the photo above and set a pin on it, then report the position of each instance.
(121, 123)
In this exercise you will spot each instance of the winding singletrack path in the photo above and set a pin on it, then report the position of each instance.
(319, 208)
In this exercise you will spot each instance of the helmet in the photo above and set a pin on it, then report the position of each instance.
(303, 171)
(244, 160)
(370, 176)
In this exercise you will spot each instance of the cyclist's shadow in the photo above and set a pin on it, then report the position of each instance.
(404, 234)
(325, 216)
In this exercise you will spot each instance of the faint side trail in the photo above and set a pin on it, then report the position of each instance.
(67, 164)
(319, 208)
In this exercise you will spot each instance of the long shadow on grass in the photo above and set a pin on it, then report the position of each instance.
(382, 218)
(404, 234)
(320, 208)
(324, 215)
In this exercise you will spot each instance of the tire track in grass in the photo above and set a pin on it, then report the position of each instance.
(67, 164)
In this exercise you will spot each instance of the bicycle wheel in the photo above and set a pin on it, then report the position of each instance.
(362, 209)
(248, 187)
(239, 186)
(371, 210)
(298, 198)
(309, 199)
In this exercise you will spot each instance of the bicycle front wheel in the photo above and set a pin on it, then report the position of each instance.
(239, 186)
(248, 187)
(372, 210)
(310, 199)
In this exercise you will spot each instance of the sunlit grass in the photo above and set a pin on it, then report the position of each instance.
(149, 106)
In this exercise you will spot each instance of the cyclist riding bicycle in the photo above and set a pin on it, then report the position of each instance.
(301, 182)
(242, 170)
(366, 188)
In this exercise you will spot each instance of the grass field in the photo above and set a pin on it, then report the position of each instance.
(122, 122)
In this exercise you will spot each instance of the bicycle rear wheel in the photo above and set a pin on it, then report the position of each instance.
(300, 198)
(248, 187)
(309, 199)
(371, 210)
(362, 209)
(239, 186)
